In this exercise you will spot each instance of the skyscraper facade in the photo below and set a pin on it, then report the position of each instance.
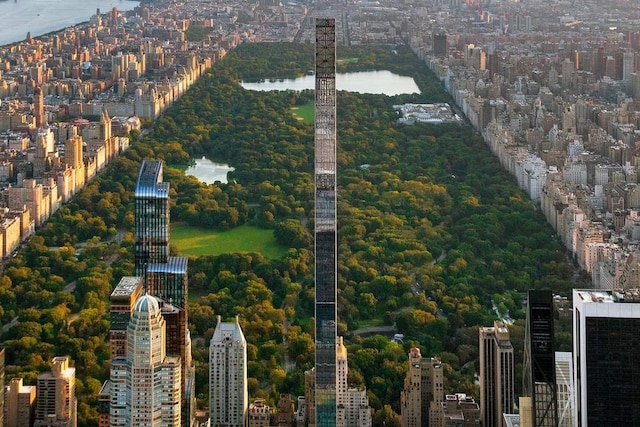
(605, 344)
(423, 390)
(123, 299)
(325, 224)
(164, 277)
(228, 391)
(20, 404)
(539, 367)
(146, 383)
(496, 374)
(151, 217)
(352, 404)
(56, 403)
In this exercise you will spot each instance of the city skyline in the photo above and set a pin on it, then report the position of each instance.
(552, 121)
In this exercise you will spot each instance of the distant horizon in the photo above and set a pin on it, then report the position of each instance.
(40, 17)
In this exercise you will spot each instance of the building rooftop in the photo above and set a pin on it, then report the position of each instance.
(126, 286)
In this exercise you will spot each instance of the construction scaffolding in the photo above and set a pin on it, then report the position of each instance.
(325, 223)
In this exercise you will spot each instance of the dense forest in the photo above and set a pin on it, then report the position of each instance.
(433, 235)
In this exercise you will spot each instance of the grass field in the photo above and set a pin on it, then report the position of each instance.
(198, 241)
(347, 60)
(305, 112)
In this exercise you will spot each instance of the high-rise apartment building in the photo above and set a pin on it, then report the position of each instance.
(123, 299)
(56, 403)
(146, 384)
(496, 374)
(164, 277)
(228, 392)
(423, 390)
(325, 224)
(605, 343)
(19, 404)
(353, 404)
(151, 217)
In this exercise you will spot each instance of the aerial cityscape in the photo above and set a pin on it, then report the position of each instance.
(321, 214)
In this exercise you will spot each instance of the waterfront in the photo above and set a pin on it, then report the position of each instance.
(17, 17)
(377, 82)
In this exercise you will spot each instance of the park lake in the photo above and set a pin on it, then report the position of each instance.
(376, 82)
(209, 172)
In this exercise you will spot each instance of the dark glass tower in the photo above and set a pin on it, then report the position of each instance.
(165, 277)
(325, 222)
(152, 216)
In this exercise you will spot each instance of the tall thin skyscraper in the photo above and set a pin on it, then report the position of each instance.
(228, 390)
(146, 384)
(152, 217)
(325, 223)
(605, 348)
(56, 403)
(496, 374)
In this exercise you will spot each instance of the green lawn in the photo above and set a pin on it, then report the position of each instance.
(199, 241)
(305, 112)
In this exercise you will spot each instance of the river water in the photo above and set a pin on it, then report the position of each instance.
(17, 17)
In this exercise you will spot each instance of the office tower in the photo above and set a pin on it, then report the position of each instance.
(228, 393)
(325, 223)
(56, 403)
(19, 404)
(423, 390)
(539, 365)
(146, 384)
(496, 374)
(123, 299)
(352, 404)
(152, 217)
(605, 347)
(564, 389)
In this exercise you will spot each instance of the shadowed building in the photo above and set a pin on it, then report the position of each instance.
(56, 403)
(496, 374)
(605, 347)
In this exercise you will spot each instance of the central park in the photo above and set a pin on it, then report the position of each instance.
(435, 239)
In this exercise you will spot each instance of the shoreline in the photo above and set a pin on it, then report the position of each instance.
(85, 21)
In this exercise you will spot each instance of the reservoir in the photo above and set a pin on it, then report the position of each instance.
(17, 17)
(209, 172)
(376, 82)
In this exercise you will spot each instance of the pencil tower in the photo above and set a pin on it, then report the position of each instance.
(325, 223)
